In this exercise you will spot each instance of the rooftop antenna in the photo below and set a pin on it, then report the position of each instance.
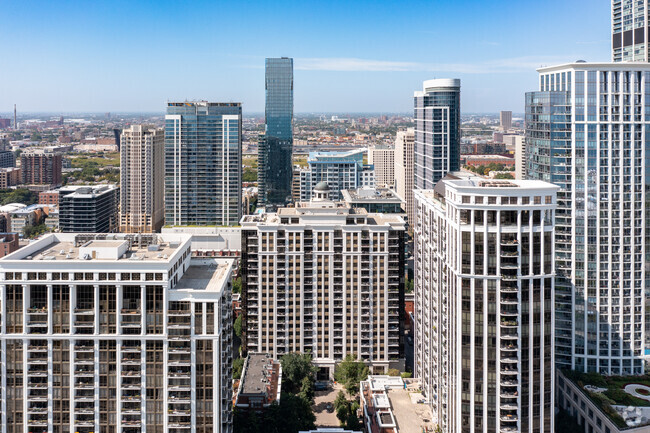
(15, 121)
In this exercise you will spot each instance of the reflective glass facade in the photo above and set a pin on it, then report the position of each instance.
(587, 132)
(437, 131)
(203, 164)
(275, 166)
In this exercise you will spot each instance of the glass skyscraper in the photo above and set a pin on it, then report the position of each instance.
(437, 131)
(275, 165)
(629, 30)
(203, 163)
(588, 131)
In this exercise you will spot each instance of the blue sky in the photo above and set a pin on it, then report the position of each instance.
(350, 56)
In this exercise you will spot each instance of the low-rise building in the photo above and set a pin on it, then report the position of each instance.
(50, 197)
(28, 216)
(392, 406)
(8, 243)
(478, 160)
(88, 209)
(260, 384)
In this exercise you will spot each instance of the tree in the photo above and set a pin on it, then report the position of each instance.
(406, 375)
(236, 285)
(307, 389)
(238, 326)
(295, 367)
(237, 367)
(504, 176)
(340, 400)
(350, 373)
(393, 372)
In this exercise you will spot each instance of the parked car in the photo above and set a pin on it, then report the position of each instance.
(330, 407)
(321, 386)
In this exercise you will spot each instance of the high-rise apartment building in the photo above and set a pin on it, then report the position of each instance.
(275, 151)
(382, 158)
(505, 120)
(484, 304)
(404, 175)
(41, 167)
(437, 131)
(115, 333)
(203, 163)
(630, 32)
(520, 158)
(142, 181)
(325, 279)
(340, 170)
(587, 132)
(88, 209)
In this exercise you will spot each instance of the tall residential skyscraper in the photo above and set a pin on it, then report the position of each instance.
(630, 32)
(587, 131)
(124, 333)
(203, 163)
(275, 151)
(484, 304)
(505, 120)
(327, 279)
(404, 170)
(437, 131)
(382, 158)
(142, 181)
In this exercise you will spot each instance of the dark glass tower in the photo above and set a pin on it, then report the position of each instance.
(276, 148)
(437, 131)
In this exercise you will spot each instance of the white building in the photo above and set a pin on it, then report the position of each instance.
(115, 333)
(505, 120)
(404, 170)
(326, 279)
(587, 131)
(142, 179)
(484, 303)
(340, 170)
(520, 157)
(382, 158)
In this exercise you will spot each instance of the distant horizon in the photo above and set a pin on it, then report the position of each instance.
(349, 57)
(6, 115)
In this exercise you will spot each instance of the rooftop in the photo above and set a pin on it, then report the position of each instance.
(205, 275)
(394, 406)
(90, 191)
(262, 377)
(370, 194)
(101, 247)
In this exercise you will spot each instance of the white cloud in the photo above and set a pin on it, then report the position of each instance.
(508, 65)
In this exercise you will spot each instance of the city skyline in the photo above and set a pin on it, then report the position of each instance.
(340, 61)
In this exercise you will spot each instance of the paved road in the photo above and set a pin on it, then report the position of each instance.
(323, 417)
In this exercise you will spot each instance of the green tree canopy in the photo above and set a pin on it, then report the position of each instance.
(350, 372)
(295, 367)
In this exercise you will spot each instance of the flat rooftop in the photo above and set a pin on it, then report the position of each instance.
(395, 406)
(100, 247)
(206, 275)
(262, 376)
(371, 194)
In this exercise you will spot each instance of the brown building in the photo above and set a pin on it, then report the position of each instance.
(9, 177)
(40, 167)
(8, 243)
(260, 384)
(49, 197)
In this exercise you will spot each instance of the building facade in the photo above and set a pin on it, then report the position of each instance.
(630, 31)
(142, 184)
(275, 151)
(7, 159)
(382, 158)
(9, 176)
(203, 163)
(94, 339)
(437, 131)
(587, 131)
(505, 120)
(341, 170)
(325, 279)
(39, 167)
(484, 304)
(404, 173)
(90, 209)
